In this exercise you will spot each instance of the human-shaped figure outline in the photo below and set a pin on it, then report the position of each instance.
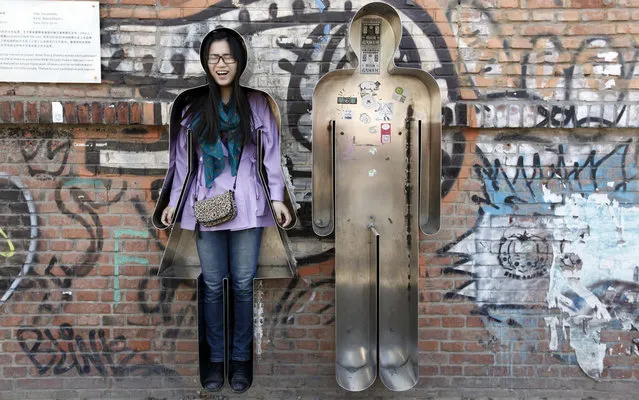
(376, 177)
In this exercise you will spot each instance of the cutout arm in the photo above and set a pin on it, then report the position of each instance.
(323, 173)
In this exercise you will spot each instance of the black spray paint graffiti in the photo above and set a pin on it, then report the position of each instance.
(290, 303)
(525, 256)
(84, 209)
(54, 148)
(581, 176)
(597, 72)
(18, 234)
(65, 351)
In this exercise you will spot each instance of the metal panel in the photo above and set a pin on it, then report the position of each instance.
(376, 179)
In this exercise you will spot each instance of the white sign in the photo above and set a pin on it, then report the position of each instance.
(50, 41)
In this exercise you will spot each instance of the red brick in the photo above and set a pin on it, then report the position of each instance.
(472, 359)
(32, 112)
(87, 296)
(453, 322)
(456, 347)
(46, 116)
(87, 308)
(542, 4)
(109, 114)
(306, 344)
(14, 372)
(592, 15)
(39, 383)
(449, 370)
(140, 345)
(148, 113)
(97, 111)
(618, 15)
(123, 113)
(191, 345)
(534, 30)
(5, 112)
(83, 113)
(70, 113)
(307, 320)
(136, 113)
(590, 3)
(430, 345)
(587, 29)
(18, 112)
(139, 2)
(508, 3)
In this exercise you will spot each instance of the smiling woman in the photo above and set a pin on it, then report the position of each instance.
(222, 122)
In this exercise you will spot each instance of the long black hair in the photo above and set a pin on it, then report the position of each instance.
(208, 104)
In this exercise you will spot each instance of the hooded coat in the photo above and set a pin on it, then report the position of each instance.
(259, 177)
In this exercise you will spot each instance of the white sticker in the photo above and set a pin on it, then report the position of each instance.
(57, 112)
(347, 114)
(365, 118)
(368, 87)
(372, 172)
(385, 112)
(370, 61)
(369, 102)
(373, 150)
(400, 94)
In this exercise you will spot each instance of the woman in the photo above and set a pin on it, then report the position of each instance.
(224, 118)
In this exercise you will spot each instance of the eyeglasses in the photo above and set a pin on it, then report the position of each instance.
(215, 58)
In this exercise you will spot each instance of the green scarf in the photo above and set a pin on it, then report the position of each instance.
(212, 153)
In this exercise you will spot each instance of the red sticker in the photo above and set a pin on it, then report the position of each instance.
(386, 132)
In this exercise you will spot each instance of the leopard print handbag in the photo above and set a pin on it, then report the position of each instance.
(216, 210)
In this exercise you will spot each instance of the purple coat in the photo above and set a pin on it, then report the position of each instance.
(252, 208)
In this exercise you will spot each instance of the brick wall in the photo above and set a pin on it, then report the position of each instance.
(531, 277)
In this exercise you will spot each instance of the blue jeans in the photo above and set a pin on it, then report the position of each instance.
(222, 252)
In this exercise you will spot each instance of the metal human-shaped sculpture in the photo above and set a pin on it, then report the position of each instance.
(376, 178)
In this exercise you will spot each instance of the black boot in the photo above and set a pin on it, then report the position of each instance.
(214, 377)
(241, 375)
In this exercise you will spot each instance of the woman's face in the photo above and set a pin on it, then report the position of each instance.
(222, 65)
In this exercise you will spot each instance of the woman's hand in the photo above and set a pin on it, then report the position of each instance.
(282, 215)
(167, 215)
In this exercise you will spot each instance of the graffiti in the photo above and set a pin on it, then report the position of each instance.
(86, 204)
(289, 303)
(122, 259)
(67, 351)
(452, 159)
(109, 157)
(597, 289)
(524, 256)
(19, 231)
(85, 194)
(588, 86)
(54, 149)
(174, 319)
(557, 220)
(578, 176)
